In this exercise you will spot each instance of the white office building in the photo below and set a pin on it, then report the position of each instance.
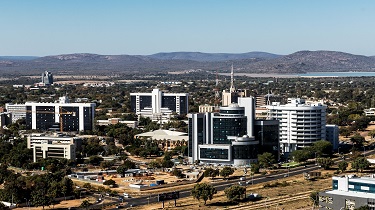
(18, 111)
(300, 125)
(53, 146)
(159, 106)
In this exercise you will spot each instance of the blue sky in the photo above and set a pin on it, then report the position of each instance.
(143, 27)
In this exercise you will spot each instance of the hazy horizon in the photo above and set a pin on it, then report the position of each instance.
(145, 27)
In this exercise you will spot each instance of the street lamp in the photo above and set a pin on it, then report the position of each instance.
(315, 159)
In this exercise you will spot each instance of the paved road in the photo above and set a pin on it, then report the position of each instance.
(224, 184)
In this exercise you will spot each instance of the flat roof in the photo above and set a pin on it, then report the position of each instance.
(351, 193)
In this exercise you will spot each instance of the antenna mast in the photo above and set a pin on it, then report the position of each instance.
(232, 89)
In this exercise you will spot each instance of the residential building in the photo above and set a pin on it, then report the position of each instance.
(53, 146)
(369, 112)
(349, 192)
(62, 115)
(300, 124)
(18, 111)
(159, 106)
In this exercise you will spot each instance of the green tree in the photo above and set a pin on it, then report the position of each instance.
(226, 172)
(203, 191)
(109, 182)
(122, 170)
(266, 159)
(210, 172)
(371, 134)
(300, 155)
(234, 192)
(357, 140)
(154, 164)
(322, 147)
(360, 163)
(178, 173)
(314, 198)
(85, 204)
(326, 163)
(363, 208)
(95, 160)
(345, 132)
(255, 168)
(343, 165)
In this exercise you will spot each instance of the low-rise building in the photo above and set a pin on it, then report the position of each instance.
(349, 192)
(53, 146)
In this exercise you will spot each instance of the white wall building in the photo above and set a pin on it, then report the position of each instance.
(18, 111)
(57, 146)
(159, 106)
(301, 124)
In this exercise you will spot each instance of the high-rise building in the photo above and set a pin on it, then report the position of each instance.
(63, 116)
(158, 105)
(267, 132)
(300, 124)
(47, 78)
(221, 137)
(332, 135)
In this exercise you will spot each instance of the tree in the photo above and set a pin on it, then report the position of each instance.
(314, 198)
(371, 134)
(109, 182)
(357, 140)
(203, 191)
(178, 173)
(363, 208)
(234, 192)
(343, 165)
(85, 204)
(266, 159)
(95, 160)
(345, 132)
(122, 170)
(360, 163)
(154, 164)
(210, 172)
(300, 155)
(322, 147)
(255, 168)
(326, 163)
(226, 172)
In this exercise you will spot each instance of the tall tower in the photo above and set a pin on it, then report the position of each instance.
(232, 88)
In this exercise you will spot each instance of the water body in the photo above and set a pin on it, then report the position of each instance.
(307, 75)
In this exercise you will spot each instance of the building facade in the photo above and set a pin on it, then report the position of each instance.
(55, 146)
(47, 78)
(349, 192)
(66, 116)
(300, 124)
(18, 111)
(221, 137)
(332, 135)
(159, 105)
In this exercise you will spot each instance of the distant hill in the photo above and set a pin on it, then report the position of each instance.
(16, 58)
(198, 56)
(253, 62)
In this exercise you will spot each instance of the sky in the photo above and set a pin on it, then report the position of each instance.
(144, 27)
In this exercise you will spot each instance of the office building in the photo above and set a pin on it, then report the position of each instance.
(62, 116)
(18, 111)
(5, 119)
(300, 124)
(267, 132)
(349, 192)
(221, 137)
(47, 78)
(159, 106)
(332, 135)
(53, 146)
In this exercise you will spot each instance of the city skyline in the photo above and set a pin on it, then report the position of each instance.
(144, 27)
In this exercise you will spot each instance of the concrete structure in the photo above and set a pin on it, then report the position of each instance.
(113, 121)
(62, 116)
(267, 132)
(166, 139)
(47, 78)
(159, 106)
(301, 124)
(369, 112)
(231, 96)
(18, 111)
(206, 108)
(332, 135)
(349, 192)
(5, 119)
(221, 137)
(53, 146)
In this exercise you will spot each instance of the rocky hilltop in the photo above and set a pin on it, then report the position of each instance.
(253, 62)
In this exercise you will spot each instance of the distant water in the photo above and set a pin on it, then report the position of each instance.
(311, 74)
(338, 74)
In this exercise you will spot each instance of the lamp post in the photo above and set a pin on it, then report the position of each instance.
(315, 159)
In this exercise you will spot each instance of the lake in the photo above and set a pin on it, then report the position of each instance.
(311, 74)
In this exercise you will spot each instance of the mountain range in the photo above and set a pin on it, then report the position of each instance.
(251, 62)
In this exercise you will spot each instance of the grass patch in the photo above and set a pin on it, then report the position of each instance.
(290, 164)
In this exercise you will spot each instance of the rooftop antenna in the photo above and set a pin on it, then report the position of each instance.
(232, 89)
(217, 95)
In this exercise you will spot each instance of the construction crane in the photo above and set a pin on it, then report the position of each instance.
(60, 113)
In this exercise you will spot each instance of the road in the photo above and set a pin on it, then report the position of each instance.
(224, 184)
